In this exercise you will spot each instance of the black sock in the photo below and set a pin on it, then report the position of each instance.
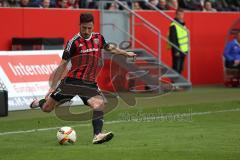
(97, 122)
(41, 102)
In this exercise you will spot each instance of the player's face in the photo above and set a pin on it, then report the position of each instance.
(86, 29)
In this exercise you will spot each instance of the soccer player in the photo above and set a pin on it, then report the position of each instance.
(84, 52)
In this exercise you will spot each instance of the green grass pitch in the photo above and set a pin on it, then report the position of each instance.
(203, 124)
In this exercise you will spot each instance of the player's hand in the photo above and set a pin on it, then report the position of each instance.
(236, 62)
(132, 54)
(51, 90)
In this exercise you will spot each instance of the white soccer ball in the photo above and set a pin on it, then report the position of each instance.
(66, 135)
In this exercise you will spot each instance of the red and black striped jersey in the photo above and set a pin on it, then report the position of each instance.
(85, 56)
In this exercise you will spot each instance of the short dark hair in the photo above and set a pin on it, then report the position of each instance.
(206, 1)
(179, 10)
(86, 18)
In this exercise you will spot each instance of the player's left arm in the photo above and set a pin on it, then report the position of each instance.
(115, 50)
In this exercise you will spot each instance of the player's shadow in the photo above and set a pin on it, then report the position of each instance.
(63, 112)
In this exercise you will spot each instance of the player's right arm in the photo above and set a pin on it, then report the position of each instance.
(60, 72)
(57, 76)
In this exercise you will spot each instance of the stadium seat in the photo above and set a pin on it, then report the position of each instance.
(37, 43)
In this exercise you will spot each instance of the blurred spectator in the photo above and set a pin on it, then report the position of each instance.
(24, 3)
(45, 4)
(220, 5)
(184, 4)
(237, 3)
(190, 4)
(172, 4)
(154, 3)
(232, 53)
(181, 4)
(198, 4)
(142, 4)
(93, 4)
(162, 5)
(58, 3)
(73, 4)
(87, 3)
(64, 4)
(234, 5)
(12, 3)
(201, 2)
(112, 6)
(83, 4)
(39, 3)
(2, 3)
(208, 7)
(136, 6)
(178, 36)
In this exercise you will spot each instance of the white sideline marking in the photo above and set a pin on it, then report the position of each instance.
(121, 121)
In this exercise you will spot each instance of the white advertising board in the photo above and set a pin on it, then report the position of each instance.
(25, 74)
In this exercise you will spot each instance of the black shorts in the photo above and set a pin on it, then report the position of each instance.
(230, 64)
(70, 87)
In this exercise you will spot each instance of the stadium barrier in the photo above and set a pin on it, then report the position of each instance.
(3, 103)
(208, 32)
(26, 74)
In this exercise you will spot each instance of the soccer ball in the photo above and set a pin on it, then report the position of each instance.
(66, 135)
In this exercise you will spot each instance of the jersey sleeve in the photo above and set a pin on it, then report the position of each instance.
(104, 43)
(69, 50)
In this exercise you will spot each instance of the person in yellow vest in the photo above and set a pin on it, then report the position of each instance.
(178, 37)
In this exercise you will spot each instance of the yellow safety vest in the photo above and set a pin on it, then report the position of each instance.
(182, 36)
